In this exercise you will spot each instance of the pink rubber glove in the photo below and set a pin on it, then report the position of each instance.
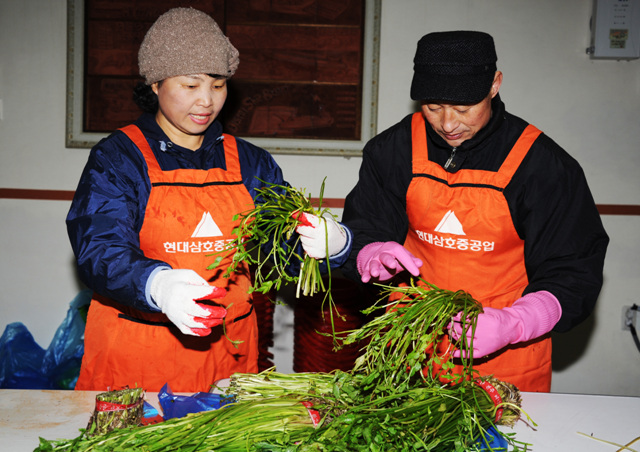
(175, 292)
(529, 317)
(383, 260)
(316, 238)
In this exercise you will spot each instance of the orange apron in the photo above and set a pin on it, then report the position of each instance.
(188, 217)
(461, 227)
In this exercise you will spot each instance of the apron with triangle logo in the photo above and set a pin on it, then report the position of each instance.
(188, 217)
(461, 227)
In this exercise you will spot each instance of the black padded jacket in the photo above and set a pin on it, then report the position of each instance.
(551, 205)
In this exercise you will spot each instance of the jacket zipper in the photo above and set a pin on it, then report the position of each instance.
(453, 154)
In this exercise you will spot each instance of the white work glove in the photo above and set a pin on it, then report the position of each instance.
(316, 238)
(176, 291)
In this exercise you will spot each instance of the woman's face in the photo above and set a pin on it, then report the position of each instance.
(188, 105)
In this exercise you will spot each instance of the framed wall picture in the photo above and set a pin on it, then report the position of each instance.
(306, 84)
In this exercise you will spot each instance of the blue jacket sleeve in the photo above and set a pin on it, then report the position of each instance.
(104, 221)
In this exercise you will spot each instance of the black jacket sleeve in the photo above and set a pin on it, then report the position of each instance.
(565, 241)
(376, 209)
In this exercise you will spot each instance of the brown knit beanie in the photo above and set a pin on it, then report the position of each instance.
(185, 41)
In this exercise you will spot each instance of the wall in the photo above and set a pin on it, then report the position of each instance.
(590, 107)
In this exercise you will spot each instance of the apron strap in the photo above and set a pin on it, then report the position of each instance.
(232, 160)
(135, 134)
(519, 151)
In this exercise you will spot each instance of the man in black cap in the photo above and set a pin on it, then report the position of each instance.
(468, 196)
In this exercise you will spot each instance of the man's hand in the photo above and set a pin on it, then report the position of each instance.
(176, 292)
(529, 317)
(383, 260)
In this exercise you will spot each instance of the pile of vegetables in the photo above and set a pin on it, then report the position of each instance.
(234, 429)
(421, 417)
(385, 403)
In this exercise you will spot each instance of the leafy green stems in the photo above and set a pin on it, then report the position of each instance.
(271, 413)
(234, 428)
(265, 238)
(409, 340)
(385, 403)
(420, 417)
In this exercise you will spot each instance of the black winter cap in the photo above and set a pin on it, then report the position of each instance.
(454, 66)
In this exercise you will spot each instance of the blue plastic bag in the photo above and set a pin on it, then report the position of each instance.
(26, 365)
(61, 362)
(179, 406)
(493, 441)
(21, 359)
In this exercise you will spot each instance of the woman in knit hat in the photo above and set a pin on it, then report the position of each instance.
(155, 200)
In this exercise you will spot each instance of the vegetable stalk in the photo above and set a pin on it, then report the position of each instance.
(234, 428)
(420, 417)
(265, 239)
(387, 402)
(409, 340)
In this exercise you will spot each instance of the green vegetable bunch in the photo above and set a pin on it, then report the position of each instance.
(385, 403)
(116, 409)
(421, 418)
(233, 428)
(409, 339)
(265, 240)
(270, 226)
(273, 412)
(269, 383)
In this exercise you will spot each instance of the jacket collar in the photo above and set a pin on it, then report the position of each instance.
(151, 130)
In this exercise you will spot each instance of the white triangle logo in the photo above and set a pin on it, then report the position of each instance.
(207, 227)
(450, 224)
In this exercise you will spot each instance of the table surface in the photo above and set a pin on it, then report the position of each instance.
(563, 420)
(26, 415)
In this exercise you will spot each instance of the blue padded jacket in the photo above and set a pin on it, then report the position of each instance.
(108, 208)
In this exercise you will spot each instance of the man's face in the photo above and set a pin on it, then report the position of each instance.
(458, 123)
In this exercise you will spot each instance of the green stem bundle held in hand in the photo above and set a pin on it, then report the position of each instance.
(270, 226)
(409, 339)
(265, 239)
(272, 222)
